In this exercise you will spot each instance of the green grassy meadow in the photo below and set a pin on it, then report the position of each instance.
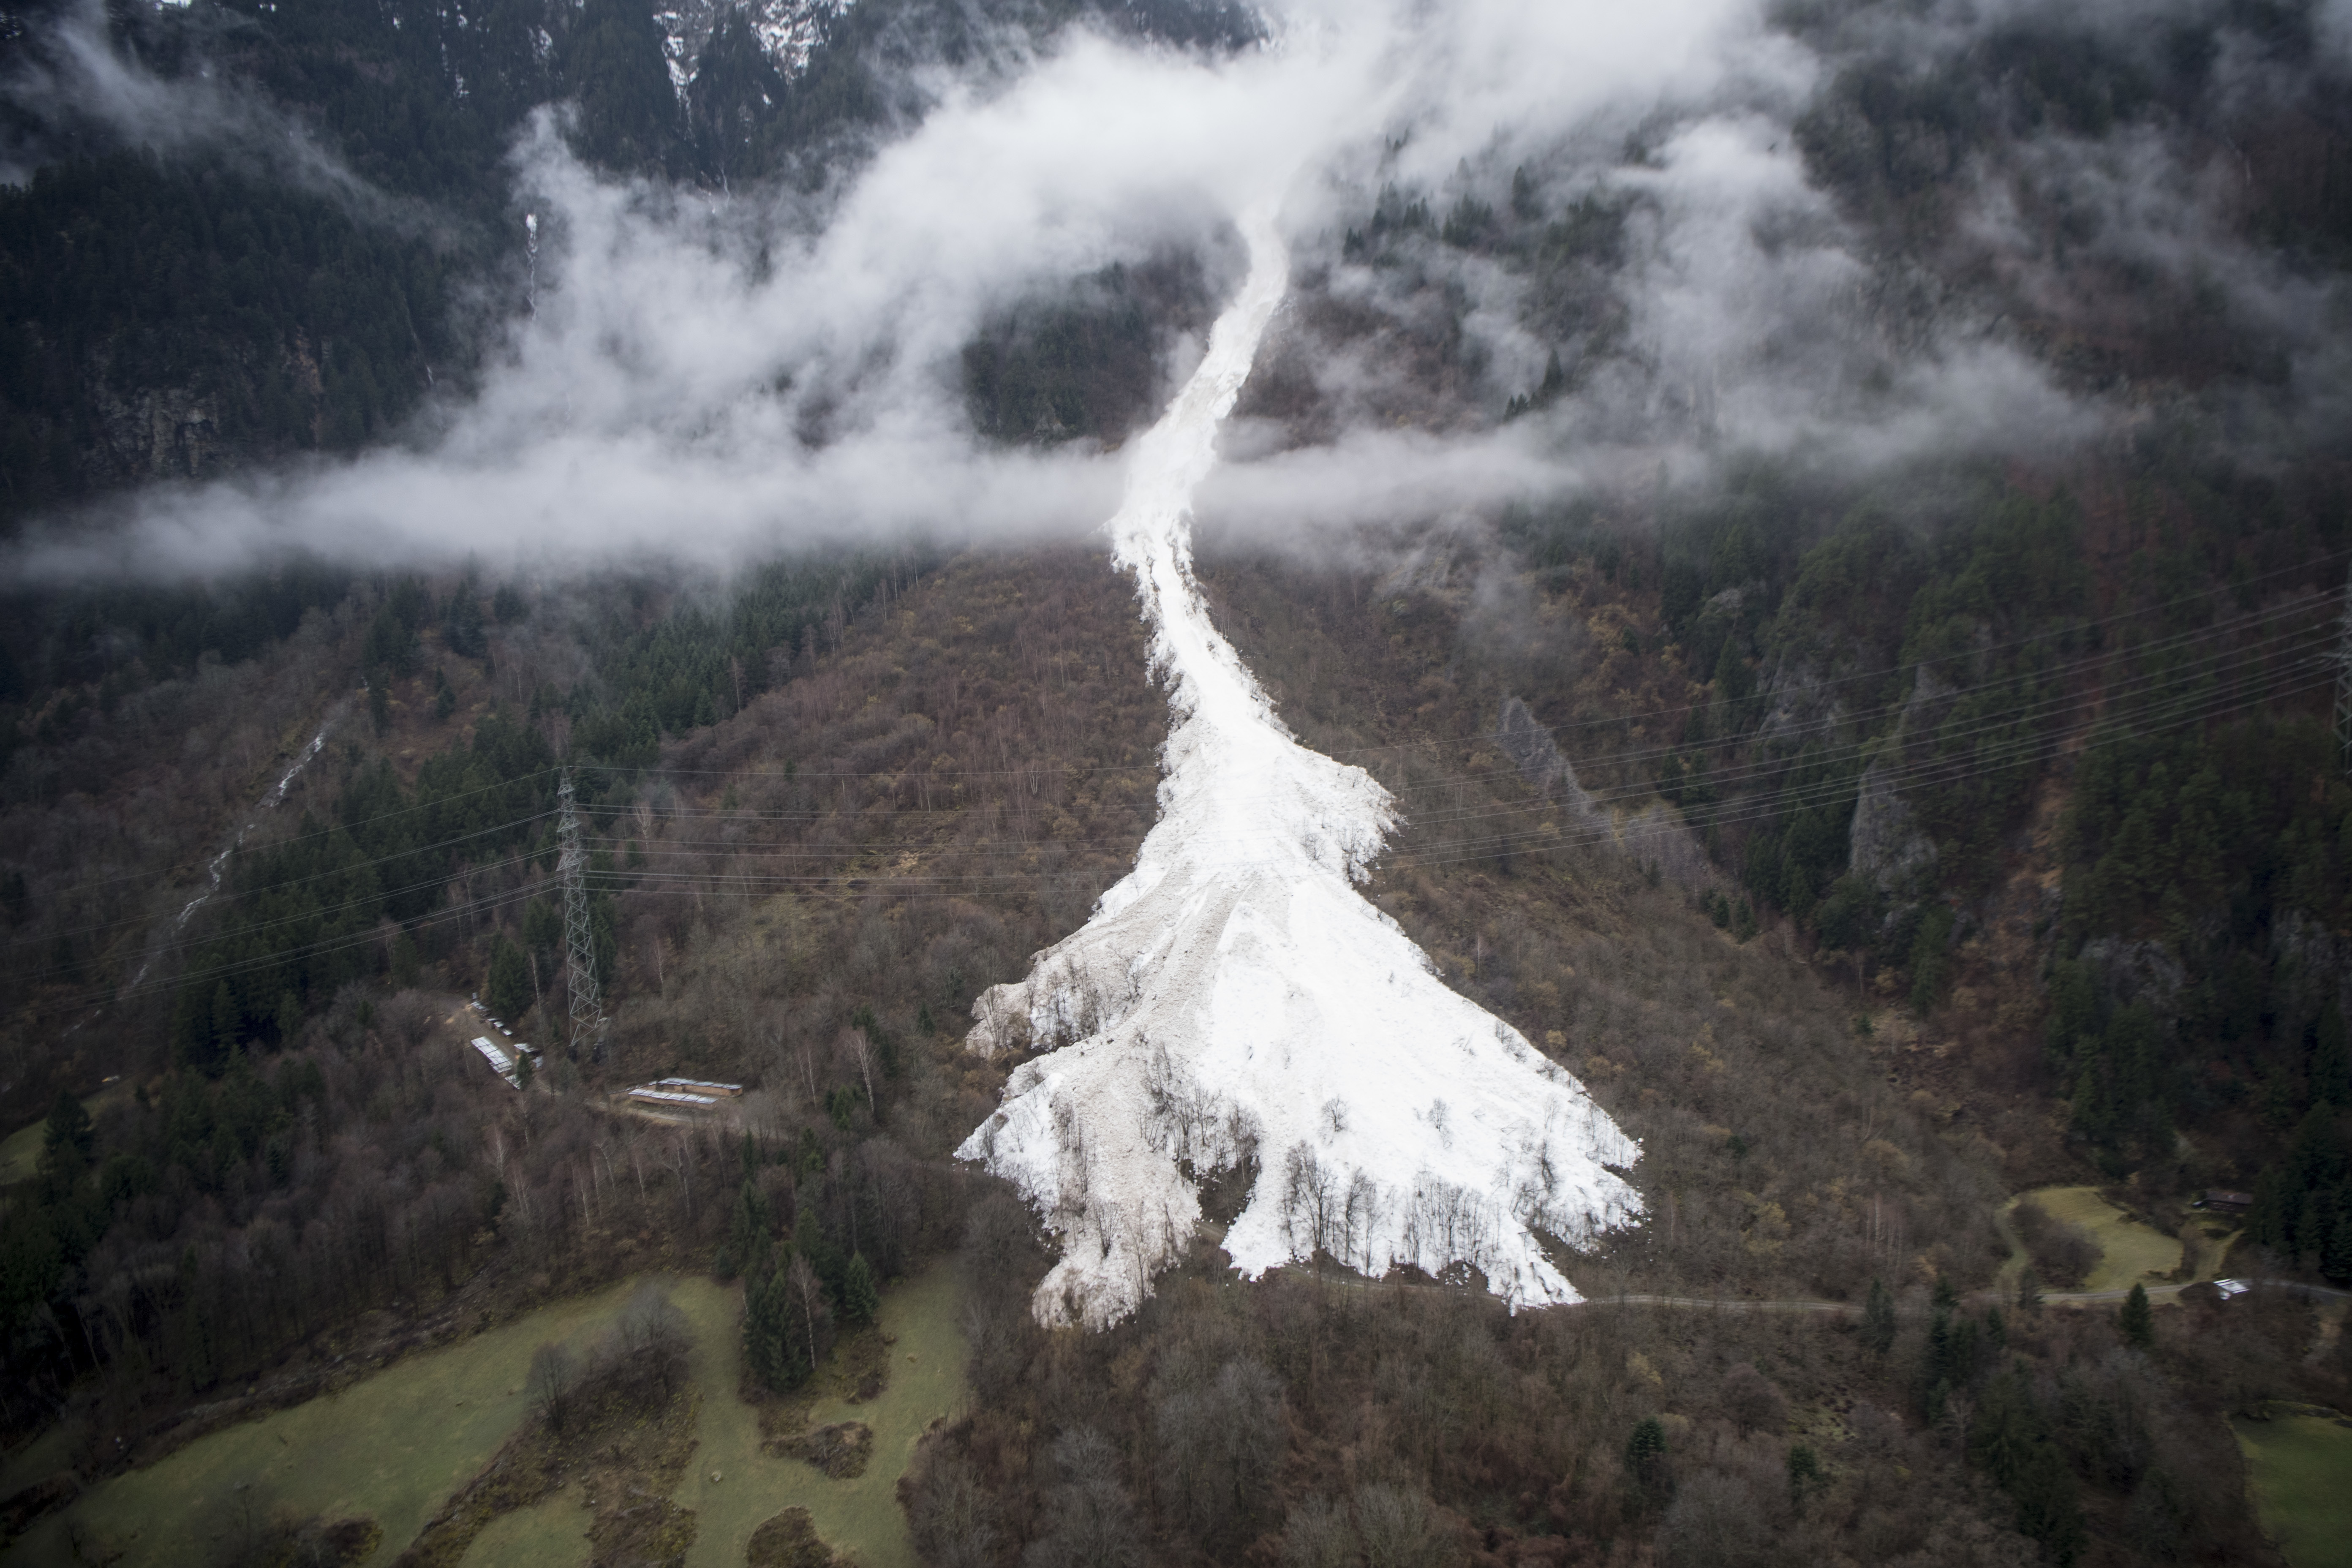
(20, 1152)
(2301, 1472)
(550, 1533)
(392, 1446)
(859, 1517)
(2129, 1252)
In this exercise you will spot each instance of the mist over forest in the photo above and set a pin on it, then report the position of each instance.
(967, 585)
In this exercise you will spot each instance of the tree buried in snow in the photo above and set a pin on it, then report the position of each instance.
(1234, 997)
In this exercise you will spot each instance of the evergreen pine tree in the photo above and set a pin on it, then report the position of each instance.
(2137, 1323)
(859, 1299)
(1645, 1457)
(765, 1350)
(810, 1241)
(747, 1245)
(2010, 1439)
(612, 61)
(1804, 1474)
(543, 928)
(1878, 1318)
(2331, 1060)
(67, 1134)
(2335, 1257)
(289, 1019)
(461, 629)
(228, 1027)
(508, 988)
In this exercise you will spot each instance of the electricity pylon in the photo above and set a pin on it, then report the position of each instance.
(579, 938)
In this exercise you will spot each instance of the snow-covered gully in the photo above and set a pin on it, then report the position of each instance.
(1236, 998)
(218, 865)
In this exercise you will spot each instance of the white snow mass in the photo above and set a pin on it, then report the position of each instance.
(1234, 996)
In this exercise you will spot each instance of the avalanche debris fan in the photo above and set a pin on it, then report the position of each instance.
(1236, 998)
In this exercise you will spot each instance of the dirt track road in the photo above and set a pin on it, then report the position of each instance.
(2049, 1298)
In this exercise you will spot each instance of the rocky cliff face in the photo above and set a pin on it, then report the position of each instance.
(1656, 837)
(1885, 843)
(1799, 702)
(1531, 749)
(157, 432)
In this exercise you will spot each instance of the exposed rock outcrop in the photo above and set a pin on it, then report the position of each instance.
(1532, 750)
(1799, 704)
(1885, 843)
(1656, 837)
(2136, 972)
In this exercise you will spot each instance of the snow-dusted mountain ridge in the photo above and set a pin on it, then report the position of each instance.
(1235, 997)
(787, 30)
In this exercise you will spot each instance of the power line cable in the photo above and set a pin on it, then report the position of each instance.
(1750, 803)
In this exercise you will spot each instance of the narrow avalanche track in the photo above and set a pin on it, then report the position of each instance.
(1234, 997)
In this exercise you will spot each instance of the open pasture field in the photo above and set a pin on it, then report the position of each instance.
(395, 1446)
(859, 1516)
(391, 1446)
(2301, 1470)
(2129, 1252)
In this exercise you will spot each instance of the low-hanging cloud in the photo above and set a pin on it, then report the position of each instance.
(708, 378)
(713, 377)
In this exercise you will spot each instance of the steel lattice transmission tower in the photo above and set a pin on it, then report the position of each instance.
(579, 936)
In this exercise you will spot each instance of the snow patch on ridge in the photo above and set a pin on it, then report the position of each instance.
(1236, 998)
(789, 30)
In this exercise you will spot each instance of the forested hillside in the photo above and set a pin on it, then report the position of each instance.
(1887, 753)
(809, 891)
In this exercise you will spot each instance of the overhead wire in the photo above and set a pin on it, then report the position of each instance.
(2309, 675)
(2067, 629)
(1688, 749)
(1826, 723)
(332, 827)
(2051, 703)
(2238, 694)
(2071, 629)
(225, 897)
(1746, 805)
(2316, 676)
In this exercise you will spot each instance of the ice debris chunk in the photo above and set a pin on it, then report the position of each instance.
(1235, 999)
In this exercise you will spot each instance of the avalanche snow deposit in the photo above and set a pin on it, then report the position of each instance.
(1236, 998)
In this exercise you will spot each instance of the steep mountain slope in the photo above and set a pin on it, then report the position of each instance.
(1787, 628)
(1233, 1000)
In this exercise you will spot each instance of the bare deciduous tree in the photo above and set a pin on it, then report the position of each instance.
(1219, 1445)
(1317, 1535)
(861, 1051)
(656, 1335)
(554, 1377)
(1091, 1521)
(1752, 1402)
(1399, 1531)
